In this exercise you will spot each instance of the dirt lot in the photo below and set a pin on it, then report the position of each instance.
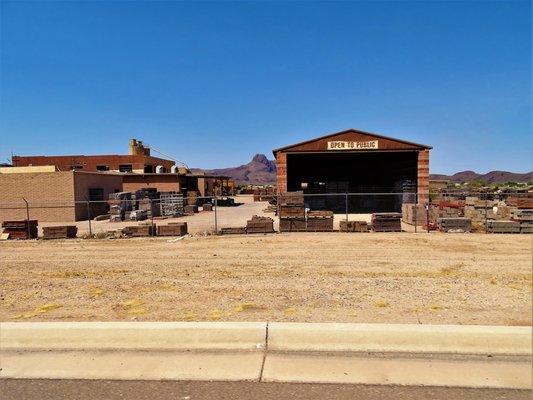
(397, 278)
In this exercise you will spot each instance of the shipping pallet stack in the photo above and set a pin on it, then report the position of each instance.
(233, 231)
(387, 222)
(22, 229)
(60, 232)
(353, 226)
(479, 210)
(445, 209)
(292, 212)
(190, 209)
(120, 206)
(207, 207)
(139, 230)
(320, 221)
(525, 218)
(460, 224)
(503, 226)
(172, 229)
(260, 225)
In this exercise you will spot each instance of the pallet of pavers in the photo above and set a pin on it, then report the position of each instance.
(60, 232)
(139, 230)
(172, 229)
(207, 207)
(525, 218)
(292, 211)
(292, 225)
(260, 225)
(455, 224)
(320, 221)
(190, 209)
(387, 222)
(296, 198)
(22, 229)
(233, 231)
(502, 226)
(353, 226)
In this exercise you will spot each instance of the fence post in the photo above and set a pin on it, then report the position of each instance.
(216, 219)
(416, 211)
(486, 205)
(346, 203)
(89, 216)
(27, 216)
(427, 216)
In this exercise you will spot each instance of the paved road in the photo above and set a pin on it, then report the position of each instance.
(14, 389)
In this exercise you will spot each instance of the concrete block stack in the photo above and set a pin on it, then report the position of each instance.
(260, 225)
(60, 232)
(320, 221)
(445, 209)
(21, 229)
(503, 226)
(207, 207)
(479, 210)
(292, 212)
(525, 218)
(353, 226)
(459, 224)
(414, 214)
(190, 209)
(138, 215)
(171, 204)
(387, 222)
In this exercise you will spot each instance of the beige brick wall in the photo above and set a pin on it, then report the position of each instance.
(50, 196)
(84, 181)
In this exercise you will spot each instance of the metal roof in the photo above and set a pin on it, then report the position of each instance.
(425, 146)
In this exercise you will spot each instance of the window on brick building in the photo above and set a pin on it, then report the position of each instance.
(74, 167)
(125, 168)
(148, 169)
(96, 194)
(102, 167)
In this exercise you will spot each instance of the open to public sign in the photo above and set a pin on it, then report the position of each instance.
(341, 145)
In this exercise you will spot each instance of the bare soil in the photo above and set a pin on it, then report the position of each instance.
(311, 277)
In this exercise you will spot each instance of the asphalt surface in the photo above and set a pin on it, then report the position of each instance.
(35, 389)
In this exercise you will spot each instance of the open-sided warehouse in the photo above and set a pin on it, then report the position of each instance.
(354, 161)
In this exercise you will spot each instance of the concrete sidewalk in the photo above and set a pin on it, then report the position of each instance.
(426, 355)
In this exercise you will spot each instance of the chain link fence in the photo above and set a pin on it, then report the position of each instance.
(509, 212)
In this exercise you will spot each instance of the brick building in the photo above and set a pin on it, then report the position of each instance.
(354, 161)
(138, 160)
(55, 196)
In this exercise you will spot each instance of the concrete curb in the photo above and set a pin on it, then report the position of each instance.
(458, 339)
(280, 352)
(133, 335)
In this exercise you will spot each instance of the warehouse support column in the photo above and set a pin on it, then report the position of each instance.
(281, 171)
(423, 176)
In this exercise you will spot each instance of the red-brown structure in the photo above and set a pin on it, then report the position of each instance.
(354, 161)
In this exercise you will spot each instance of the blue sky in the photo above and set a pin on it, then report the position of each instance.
(214, 83)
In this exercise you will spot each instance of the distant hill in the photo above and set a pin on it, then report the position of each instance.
(490, 177)
(260, 170)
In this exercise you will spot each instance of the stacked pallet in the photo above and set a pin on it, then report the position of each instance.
(60, 232)
(207, 207)
(172, 229)
(292, 212)
(149, 206)
(320, 221)
(460, 224)
(22, 229)
(138, 215)
(414, 214)
(139, 230)
(233, 231)
(502, 226)
(260, 225)
(387, 222)
(521, 202)
(445, 209)
(353, 226)
(525, 218)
